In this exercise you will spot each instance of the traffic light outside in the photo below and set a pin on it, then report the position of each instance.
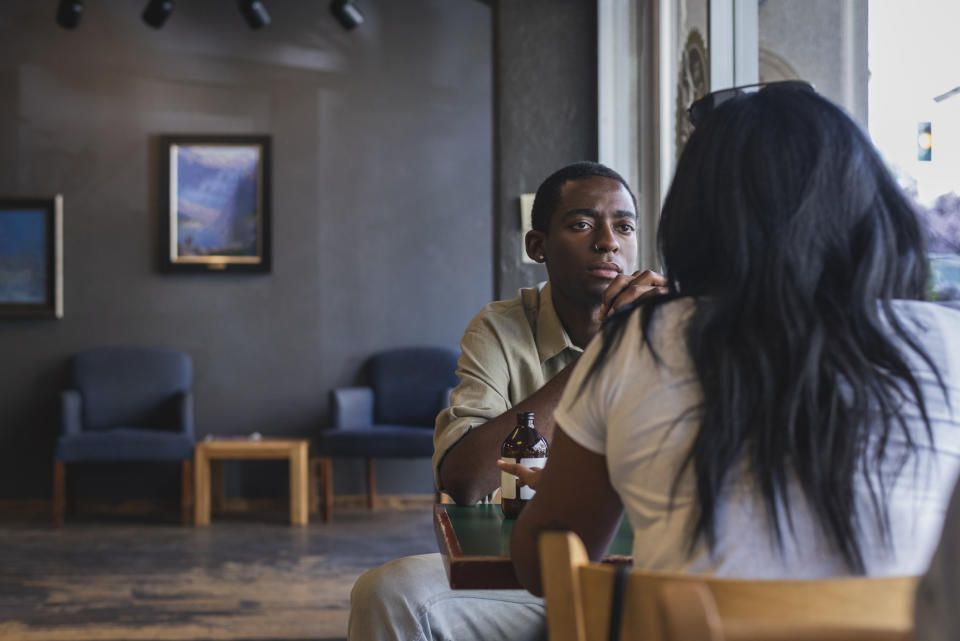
(924, 142)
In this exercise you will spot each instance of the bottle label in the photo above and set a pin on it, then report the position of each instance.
(509, 483)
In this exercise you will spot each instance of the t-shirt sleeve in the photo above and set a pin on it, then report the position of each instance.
(481, 394)
(581, 413)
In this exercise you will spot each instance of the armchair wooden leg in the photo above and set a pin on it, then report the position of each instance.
(326, 482)
(186, 491)
(59, 492)
(371, 484)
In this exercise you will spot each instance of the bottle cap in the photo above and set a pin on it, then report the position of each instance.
(525, 418)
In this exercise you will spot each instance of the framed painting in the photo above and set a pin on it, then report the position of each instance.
(31, 257)
(215, 203)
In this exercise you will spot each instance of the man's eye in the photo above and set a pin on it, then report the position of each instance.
(627, 229)
(580, 225)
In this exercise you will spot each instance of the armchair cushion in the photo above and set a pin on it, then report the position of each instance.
(134, 387)
(410, 384)
(124, 444)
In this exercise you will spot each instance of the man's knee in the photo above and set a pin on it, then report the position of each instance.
(400, 583)
(387, 602)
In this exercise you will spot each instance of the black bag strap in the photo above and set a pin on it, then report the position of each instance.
(620, 578)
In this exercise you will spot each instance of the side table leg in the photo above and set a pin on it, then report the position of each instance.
(218, 491)
(201, 486)
(299, 486)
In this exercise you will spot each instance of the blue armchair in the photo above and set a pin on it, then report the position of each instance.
(126, 404)
(391, 418)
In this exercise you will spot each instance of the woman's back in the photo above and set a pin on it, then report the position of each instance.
(802, 416)
(641, 412)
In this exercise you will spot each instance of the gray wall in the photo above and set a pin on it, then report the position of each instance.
(383, 236)
(823, 41)
(545, 113)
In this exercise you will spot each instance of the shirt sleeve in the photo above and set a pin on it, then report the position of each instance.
(481, 395)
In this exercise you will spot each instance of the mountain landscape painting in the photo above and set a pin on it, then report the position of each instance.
(217, 200)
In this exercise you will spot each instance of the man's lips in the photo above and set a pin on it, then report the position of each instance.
(608, 271)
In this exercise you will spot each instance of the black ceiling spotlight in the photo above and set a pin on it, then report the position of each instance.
(254, 13)
(346, 14)
(69, 13)
(157, 12)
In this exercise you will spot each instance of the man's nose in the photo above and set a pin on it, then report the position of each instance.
(606, 240)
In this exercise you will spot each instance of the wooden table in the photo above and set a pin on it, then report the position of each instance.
(475, 546)
(295, 450)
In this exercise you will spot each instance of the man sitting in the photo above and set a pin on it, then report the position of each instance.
(517, 355)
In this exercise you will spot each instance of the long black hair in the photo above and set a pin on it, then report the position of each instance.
(784, 225)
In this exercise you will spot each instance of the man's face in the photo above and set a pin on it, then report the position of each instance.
(592, 238)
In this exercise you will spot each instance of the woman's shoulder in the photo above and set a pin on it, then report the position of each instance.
(664, 321)
(674, 310)
(925, 314)
(657, 331)
(936, 327)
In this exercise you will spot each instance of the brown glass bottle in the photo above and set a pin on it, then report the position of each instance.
(526, 446)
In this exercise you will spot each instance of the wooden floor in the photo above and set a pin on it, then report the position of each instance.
(244, 577)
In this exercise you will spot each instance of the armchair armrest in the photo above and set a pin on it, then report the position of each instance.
(184, 409)
(352, 407)
(70, 405)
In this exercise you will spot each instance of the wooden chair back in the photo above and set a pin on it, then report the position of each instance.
(661, 606)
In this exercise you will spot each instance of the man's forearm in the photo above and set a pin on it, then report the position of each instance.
(469, 471)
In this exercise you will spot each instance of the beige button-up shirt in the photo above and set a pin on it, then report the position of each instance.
(509, 351)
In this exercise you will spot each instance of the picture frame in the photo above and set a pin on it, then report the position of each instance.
(215, 203)
(31, 257)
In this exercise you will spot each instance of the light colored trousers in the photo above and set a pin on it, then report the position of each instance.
(410, 599)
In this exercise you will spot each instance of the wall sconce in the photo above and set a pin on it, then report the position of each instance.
(254, 13)
(346, 14)
(157, 12)
(69, 13)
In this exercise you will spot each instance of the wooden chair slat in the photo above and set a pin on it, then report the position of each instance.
(663, 606)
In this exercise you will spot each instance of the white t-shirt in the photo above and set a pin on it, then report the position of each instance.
(641, 415)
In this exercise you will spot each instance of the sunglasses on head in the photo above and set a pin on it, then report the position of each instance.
(700, 107)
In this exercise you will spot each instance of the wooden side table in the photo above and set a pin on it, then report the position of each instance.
(295, 450)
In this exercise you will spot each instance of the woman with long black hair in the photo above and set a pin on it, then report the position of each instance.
(790, 408)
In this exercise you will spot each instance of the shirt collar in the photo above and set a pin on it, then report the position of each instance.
(551, 338)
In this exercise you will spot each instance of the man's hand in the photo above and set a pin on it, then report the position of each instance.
(529, 475)
(625, 289)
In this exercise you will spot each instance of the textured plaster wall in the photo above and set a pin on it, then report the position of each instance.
(382, 227)
(823, 41)
(545, 115)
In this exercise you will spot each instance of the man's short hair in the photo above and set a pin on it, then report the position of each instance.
(548, 194)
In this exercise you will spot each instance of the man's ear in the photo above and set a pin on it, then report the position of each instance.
(535, 241)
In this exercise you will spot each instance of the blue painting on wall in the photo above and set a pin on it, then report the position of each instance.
(216, 208)
(31, 260)
(23, 256)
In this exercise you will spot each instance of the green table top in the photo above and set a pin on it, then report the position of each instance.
(482, 531)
